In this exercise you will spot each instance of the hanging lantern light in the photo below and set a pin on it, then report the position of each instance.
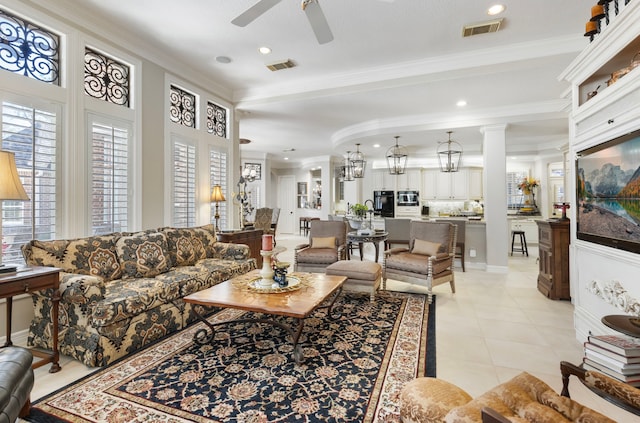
(397, 158)
(449, 155)
(348, 168)
(358, 163)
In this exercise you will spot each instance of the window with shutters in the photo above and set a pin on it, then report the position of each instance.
(184, 184)
(514, 193)
(109, 177)
(32, 134)
(218, 175)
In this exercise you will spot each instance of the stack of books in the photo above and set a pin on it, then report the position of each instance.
(617, 356)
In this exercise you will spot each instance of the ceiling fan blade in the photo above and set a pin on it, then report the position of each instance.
(318, 21)
(254, 12)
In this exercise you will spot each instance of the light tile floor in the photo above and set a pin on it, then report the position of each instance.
(495, 326)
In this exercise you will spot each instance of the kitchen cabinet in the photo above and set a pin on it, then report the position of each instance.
(475, 184)
(452, 185)
(553, 250)
(428, 190)
(383, 181)
(410, 180)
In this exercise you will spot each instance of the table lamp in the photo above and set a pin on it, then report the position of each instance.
(216, 197)
(10, 189)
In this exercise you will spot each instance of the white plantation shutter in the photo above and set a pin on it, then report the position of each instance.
(109, 178)
(32, 135)
(184, 185)
(514, 194)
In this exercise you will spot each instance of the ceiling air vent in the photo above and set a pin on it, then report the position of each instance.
(481, 27)
(281, 65)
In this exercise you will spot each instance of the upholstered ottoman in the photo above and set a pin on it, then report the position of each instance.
(361, 275)
(16, 381)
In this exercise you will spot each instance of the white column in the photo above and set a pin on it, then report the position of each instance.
(495, 197)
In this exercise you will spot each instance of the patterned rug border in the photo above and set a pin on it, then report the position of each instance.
(182, 339)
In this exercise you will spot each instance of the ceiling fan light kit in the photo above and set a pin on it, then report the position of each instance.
(311, 8)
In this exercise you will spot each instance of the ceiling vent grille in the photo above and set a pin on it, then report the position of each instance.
(481, 27)
(281, 65)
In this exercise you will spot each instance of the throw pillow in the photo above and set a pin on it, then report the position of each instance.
(425, 248)
(326, 242)
(143, 255)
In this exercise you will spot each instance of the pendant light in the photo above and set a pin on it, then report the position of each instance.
(397, 158)
(449, 155)
(347, 168)
(358, 163)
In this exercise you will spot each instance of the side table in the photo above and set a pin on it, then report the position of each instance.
(25, 281)
(375, 238)
(250, 237)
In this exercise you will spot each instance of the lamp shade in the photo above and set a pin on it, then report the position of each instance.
(10, 186)
(216, 194)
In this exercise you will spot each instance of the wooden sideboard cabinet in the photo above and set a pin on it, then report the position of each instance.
(553, 247)
(250, 237)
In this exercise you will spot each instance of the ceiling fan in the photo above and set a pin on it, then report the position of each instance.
(311, 8)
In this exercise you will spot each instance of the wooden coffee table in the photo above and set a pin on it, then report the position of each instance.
(316, 291)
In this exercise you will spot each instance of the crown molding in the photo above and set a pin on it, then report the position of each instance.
(406, 73)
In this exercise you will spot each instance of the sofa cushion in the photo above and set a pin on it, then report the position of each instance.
(206, 234)
(95, 255)
(185, 247)
(143, 254)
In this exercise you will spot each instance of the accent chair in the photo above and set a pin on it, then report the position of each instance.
(398, 231)
(428, 260)
(460, 247)
(327, 245)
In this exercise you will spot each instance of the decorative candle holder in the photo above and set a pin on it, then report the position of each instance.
(563, 207)
(266, 272)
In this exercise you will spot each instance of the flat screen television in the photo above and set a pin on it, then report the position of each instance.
(608, 193)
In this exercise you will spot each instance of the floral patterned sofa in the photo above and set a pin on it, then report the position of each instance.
(123, 291)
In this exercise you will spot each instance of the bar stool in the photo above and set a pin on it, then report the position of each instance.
(523, 243)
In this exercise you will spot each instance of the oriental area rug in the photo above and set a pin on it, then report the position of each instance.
(353, 370)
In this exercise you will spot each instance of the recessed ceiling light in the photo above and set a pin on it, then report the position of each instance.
(376, 145)
(461, 103)
(264, 50)
(496, 9)
(286, 158)
(223, 59)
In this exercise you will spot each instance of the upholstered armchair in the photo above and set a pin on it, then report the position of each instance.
(398, 231)
(429, 258)
(327, 244)
(524, 398)
(274, 223)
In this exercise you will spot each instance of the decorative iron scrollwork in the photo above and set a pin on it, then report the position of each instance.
(182, 109)
(105, 78)
(28, 49)
(216, 120)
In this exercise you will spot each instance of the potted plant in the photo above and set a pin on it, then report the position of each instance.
(359, 210)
